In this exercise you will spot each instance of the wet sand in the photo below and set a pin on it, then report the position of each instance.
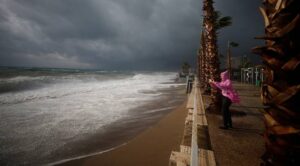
(152, 147)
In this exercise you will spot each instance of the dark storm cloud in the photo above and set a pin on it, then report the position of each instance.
(247, 24)
(112, 34)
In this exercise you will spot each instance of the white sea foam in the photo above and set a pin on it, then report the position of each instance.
(42, 120)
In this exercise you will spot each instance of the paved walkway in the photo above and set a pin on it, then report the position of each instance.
(243, 145)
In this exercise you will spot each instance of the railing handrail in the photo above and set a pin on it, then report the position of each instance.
(194, 146)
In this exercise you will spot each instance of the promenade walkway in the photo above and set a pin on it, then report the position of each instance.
(243, 145)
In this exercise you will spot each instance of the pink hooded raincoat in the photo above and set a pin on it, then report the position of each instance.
(226, 86)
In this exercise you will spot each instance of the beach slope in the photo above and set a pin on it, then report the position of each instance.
(151, 147)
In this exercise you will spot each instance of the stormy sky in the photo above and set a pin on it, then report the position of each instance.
(117, 34)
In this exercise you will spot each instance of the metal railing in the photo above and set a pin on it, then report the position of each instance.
(194, 146)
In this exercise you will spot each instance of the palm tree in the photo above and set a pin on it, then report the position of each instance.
(211, 52)
(185, 68)
(209, 66)
(281, 89)
(204, 76)
(219, 23)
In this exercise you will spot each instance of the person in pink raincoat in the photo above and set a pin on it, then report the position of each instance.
(229, 96)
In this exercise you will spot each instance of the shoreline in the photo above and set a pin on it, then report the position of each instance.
(92, 127)
(84, 156)
(121, 132)
(153, 144)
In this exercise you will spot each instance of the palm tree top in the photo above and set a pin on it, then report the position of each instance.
(221, 22)
(233, 44)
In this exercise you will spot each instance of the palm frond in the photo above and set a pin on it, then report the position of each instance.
(224, 22)
(234, 44)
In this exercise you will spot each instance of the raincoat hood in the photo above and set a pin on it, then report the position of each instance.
(225, 75)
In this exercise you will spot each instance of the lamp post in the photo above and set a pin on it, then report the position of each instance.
(229, 58)
(229, 64)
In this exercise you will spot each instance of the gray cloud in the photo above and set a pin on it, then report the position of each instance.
(115, 34)
(247, 24)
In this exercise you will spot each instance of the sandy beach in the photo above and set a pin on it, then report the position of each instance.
(152, 147)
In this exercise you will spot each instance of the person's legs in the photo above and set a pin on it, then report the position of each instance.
(224, 111)
(226, 102)
(229, 115)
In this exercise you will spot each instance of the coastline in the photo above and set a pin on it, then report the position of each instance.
(152, 146)
(88, 118)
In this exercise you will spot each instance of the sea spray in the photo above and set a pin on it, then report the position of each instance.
(46, 111)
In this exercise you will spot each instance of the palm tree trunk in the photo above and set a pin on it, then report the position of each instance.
(204, 62)
(211, 49)
(203, 69)
(281, 56)
(199, 67)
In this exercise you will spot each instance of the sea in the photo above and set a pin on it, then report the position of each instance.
(49, 116)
